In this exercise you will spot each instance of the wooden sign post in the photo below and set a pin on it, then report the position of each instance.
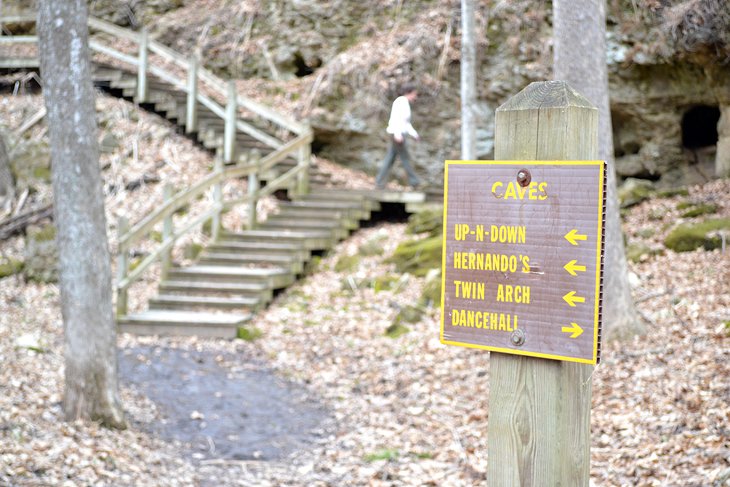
(539, 410)
(522, 277)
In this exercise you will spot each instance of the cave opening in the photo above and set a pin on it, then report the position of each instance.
(699, 126)
(302, 68)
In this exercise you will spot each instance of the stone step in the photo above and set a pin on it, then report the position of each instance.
(287, 261)
(186, 302)
(187, 323)
(258, 290)
(273, 277)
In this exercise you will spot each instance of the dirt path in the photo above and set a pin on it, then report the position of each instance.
(217, 411)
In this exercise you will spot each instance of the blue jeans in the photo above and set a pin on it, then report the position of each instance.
(396, 149)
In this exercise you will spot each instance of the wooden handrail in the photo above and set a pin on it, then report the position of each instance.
(18, 39)
(281, 150)
(113, 29)
(167, 244)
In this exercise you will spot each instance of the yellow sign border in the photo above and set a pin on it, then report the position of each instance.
(599, 248)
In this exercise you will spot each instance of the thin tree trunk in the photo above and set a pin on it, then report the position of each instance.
(7, 185)
(468, 81)
(580, 59)
(91, 390)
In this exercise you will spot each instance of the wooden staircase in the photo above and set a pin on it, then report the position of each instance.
(239, 273)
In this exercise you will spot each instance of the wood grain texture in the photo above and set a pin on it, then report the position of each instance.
(539, 414)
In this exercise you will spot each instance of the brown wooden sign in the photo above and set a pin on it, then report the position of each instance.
(523, 257)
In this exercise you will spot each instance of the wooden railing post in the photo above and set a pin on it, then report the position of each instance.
(253, 189)
(229, 137)
(305, 156)
(122, 267)
(191, 113)
(167, 231)
(142, 67)
(217, 200)
(539, 409)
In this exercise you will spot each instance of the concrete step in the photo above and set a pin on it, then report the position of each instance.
(186, 302)
(287, 261)
(187, 323)
(258, 290)
(273, 277)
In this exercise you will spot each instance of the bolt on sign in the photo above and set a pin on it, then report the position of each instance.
(523, 257)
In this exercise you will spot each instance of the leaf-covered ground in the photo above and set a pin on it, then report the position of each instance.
(407, 410)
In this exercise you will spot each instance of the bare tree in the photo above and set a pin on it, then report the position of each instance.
(91, 390)
(468, 81)
(7, 185)
(580, 59)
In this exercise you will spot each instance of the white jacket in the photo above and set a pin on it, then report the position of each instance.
(400, 118)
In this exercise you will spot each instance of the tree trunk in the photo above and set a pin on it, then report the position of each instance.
(91, 390)
(580, 59)
(468, 81)
(7, 186)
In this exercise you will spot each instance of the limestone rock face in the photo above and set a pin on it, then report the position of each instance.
(722, 159)
(339, 64)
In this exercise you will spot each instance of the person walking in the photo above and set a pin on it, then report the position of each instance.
(399, 127)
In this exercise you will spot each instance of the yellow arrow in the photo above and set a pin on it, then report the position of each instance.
(571, 299)
(573, 266)
(574, 329)
(573, 236)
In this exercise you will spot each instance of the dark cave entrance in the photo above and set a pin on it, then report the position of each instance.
(699, 126)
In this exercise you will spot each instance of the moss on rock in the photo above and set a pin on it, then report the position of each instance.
(670, 193)
(699, 210)
(387, 282)
(634, 191)
(396, 330)
(431, 294)
(687, 237)
(428, 221)
(347, 263)
(9, 267)
(249, 334)
(192, 250)
(41, 254)
(636, 252)
(418, 256)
